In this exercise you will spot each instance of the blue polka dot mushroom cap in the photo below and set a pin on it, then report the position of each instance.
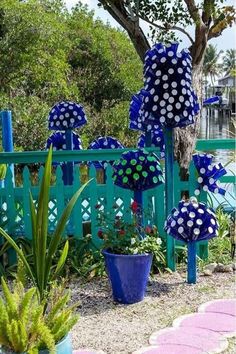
(137, 121)
(104, 142)
(168, 97)
(209, 174)
(137, 170)
(192, 221)
(66, 115)
(157, 140)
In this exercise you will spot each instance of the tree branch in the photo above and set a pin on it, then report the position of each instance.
(193, 11)
(169, 28)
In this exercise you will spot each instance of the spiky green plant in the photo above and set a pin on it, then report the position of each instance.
(40, 270)
(23, 328)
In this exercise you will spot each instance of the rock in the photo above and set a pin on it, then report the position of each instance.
(207, 272)
(211, 267)
(234, 266)
(221, 268)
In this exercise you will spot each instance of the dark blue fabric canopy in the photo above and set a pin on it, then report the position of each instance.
(157, 140)
(66, 115)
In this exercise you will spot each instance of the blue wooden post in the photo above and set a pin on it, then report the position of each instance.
(192, 264)
(7, 136)
(138, 197)
(68, 167)
(148, 138)
(169, 193)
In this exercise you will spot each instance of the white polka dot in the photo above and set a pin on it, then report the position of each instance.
(210, 229)
(163, 111)
(201, 211)
(55, 116)
(199, 222)
(174, 92)
(197, 192)
(154, 108)
(63, 109)
(189, 223)
(72, 120)
(213, 222)
(64, 123)
(202, 170)
(177, 118)
(180, 230)
(163, 60)
(158, 73)
(187, 103)
(64, 146)
(164, 77)
(162, 103)
(211, 180)
(200, 179)
(184, 63)
(173, 223)
(67, 115)
(181, 98)
(154, 66)
(176, 213)
(156, 98)
(165, 86)
(152, 91)
(196, 231)
(174, 61)
(70, 107)
(184, 209)
(185, 113)
(52, 124)
(169, 107)
(205, 188)
(162, 119)
(192, 214)
(184, 91)
(180, 70)
(171, 71)
(157, 82)
(166, 96)
(180, 221)
(171, 99)
(170, 115)
(75, 113)
(160, 51)
(178, 105)
(183, 82)
(58, 123)
(61, 116)
(216, 190)
(170, 53)
(174, 84)
(66, 105)
(210, 167)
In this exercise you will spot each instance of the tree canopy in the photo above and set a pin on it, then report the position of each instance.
(49, 54)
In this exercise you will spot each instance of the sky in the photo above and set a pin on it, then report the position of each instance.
(225, 41)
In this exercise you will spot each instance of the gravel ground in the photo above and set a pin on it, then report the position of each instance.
(116, 329)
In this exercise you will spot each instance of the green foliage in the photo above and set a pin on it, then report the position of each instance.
(22, 325)
(229, 61)
(41, 271)
(211, 66)
(48, 55)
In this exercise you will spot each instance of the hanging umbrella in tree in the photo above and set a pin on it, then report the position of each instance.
(192, 222)
(66, 116)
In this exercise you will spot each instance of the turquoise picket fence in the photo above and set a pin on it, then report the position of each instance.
(15, 198)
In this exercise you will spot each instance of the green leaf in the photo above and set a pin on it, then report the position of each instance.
(62, 259)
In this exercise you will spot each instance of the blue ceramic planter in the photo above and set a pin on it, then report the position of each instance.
(63, 347)
(128, 275)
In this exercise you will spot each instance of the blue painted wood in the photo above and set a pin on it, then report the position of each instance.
(68, 168)
(192, 263)
(169, 193)
(148, 139)
(7, 136)
(138, 197)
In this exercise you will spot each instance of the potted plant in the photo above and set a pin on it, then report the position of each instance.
(25, 327)
(128, 251)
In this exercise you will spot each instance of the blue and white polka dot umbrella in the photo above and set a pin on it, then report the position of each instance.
(104, 142)
(66, 115)
(209, 174)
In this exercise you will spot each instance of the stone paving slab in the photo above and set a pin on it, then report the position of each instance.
(169, 349)
(206, 340)
(227, 306)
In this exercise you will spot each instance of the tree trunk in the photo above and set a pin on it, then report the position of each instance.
(185, 138)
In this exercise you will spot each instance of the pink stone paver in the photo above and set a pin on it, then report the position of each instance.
(227, 306)
(169, 349)
(219, 322)
(206, 340)
(87, 351)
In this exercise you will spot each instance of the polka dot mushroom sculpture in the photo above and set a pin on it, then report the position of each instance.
(192, 222)
(138, 170)
(66, 116)
(103, 142)
(168, 100)
(209, 174)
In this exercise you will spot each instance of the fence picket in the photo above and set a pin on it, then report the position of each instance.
(93, 201)
(77, 211)
(11, 212)
(26, 203)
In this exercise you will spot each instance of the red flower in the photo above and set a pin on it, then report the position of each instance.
(121, 232)
(148, 230)
(100, 234)
(134, 206)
